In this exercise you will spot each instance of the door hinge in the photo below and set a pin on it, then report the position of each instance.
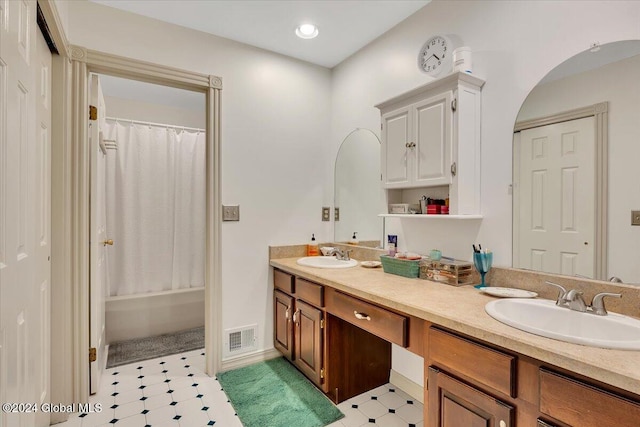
(454, 168)
(322, 373)
(454, 104)
(321, 323)
(93, 113)
(93, 356)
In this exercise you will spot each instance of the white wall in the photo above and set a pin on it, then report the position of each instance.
(123, 108)
(275, 126)
(618, 84)
(514, 44)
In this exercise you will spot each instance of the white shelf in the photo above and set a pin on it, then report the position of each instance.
(432, 216)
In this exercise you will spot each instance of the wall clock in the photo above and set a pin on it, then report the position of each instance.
(435, 55)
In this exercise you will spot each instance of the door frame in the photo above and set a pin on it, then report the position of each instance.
(600, 113)
(83, 62)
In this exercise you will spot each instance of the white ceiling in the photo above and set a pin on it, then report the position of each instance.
(345, 26)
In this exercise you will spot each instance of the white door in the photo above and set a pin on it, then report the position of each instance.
(98, 246)
(556, 192)
(432, 130)
(25, 214)
(396, 148)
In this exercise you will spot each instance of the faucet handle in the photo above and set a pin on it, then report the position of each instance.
(597, 304)
(562, 295)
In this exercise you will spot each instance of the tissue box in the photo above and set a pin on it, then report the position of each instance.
(456, 273)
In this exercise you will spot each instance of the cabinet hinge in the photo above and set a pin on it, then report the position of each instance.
(454, 169)
(454, 104)
(381, 126)
(321, 323)
(93, 356)
(322, 373)
(93, 113)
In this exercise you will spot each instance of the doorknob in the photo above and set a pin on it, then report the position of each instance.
(108, 242)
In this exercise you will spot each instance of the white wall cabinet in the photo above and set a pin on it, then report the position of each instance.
(431, 137)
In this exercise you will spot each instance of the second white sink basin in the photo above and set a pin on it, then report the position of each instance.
(544, 318)
(326, 262)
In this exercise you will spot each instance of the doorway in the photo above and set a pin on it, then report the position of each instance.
(147, 221)
(77, 200)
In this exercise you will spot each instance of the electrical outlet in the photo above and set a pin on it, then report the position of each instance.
(635, 217)
(326, 212)
(336, 214)
(231, 213)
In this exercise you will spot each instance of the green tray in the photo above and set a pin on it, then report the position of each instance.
(400, 267)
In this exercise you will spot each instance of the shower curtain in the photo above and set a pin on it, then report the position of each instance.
(155, 208)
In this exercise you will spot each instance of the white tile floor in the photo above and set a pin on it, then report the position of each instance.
(175, 391)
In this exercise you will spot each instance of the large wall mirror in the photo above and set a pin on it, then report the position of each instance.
(576, 163)
(358, 192)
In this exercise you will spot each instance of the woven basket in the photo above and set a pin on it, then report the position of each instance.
(400, 267)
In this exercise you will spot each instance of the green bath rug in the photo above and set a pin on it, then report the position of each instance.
(275, 394)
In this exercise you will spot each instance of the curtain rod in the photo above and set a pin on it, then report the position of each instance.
(140, 122)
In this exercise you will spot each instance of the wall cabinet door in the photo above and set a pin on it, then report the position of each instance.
(283, 327)
(309, 341)
(417, 144)
(397, 147)
(431, 155)
(453, 403)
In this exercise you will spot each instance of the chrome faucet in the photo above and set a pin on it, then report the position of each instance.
(341, 255)
(573, 300)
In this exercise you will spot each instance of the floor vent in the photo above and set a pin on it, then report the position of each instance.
(241, 340)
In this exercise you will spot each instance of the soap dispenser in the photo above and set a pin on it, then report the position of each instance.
(354, 239)
(312, 247)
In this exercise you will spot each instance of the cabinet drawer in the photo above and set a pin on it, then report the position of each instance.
(372, 318)
(483, 364)
(283, 281)
(310, 292)
(579, 404)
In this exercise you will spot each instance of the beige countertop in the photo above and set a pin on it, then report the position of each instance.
(462, 309)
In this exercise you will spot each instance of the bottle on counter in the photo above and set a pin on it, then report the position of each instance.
(312, 247)
(354, 239)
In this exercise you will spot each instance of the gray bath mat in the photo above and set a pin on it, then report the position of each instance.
(124, 352)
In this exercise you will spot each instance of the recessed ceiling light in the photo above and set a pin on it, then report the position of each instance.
(306, 31)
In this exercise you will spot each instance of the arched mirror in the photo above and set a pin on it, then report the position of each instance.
(359, 197)
(575, 161)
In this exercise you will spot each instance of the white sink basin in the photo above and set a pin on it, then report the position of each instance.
(326, 262)
(544, 318)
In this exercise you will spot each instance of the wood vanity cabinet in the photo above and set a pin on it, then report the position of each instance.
(470, 383)
(298, 325)
(431, 137)
(453, 403)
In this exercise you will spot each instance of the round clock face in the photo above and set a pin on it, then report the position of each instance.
(434, 55)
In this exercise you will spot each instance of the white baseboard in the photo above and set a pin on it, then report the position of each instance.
(413, 389)
(248, 359)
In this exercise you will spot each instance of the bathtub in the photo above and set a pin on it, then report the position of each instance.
(139, 316)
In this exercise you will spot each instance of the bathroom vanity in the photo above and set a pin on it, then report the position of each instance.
(337, 326)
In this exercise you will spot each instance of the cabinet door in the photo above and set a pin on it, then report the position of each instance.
(283, 327)
(308, 341)
(453, 403)
(397, 146)
(432, 130)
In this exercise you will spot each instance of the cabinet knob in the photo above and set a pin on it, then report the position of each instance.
(108, 242)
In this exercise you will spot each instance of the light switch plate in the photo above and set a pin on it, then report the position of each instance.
(635, 217)
(231, 212)
(326, 212)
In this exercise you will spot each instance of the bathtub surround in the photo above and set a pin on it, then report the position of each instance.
(126, 352)
(138, 316)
